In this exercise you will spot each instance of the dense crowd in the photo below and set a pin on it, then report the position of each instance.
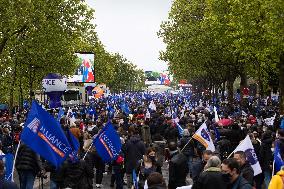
(153, 144)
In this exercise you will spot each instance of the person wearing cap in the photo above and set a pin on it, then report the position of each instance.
(277, 181)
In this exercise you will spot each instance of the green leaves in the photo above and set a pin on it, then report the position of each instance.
(220, 39)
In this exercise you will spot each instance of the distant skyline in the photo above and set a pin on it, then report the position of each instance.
(130, 27)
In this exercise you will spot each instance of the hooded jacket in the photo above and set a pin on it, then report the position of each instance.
(134, 151)
(210, 178)
(247, 172)
(276, 181)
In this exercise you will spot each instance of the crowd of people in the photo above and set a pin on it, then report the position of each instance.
(152, 143)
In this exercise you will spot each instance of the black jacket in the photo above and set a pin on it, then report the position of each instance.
(77, 175)
(171, 134)
(247, 172)
(197, 169)
(178, 170)
(211, 178)
(134, 151)
(240, 183)
(265, 154)
(91, 159)
(189, 148)
(27, 159)
(55, 175)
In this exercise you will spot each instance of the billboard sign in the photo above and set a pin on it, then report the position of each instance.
(85, 69)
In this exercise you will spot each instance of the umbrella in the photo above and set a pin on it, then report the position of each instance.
(225, 122)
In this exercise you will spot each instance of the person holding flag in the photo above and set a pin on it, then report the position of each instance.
(28, 165)
(245, 155)
(108, 147)
(134, 151)
(246, 170)
(187, 145)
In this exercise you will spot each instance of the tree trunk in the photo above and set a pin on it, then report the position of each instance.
(230, 88)
(260, 84)
(281, 83)
(223, 91)
(11, 92)
(244, 82)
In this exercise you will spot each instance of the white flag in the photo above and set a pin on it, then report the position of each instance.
(246, 146)
(203, 136)
(244, 113)
(216, 115)
(148, 115)
(152, 106)
(270, 121)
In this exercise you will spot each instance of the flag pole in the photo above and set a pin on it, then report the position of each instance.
(230, 155)
(273, 168)
(186, 144)
(234, 150)
(88, 151)
(16, 154)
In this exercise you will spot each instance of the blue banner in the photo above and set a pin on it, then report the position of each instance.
(277, 159)
(43, 134)
(108, 143)
(8, 160)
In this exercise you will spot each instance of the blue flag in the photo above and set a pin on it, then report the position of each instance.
(75, 145)
(92, 111)
(43, 134)
(180, 129)
(8, 159)
(125, 108)
(108, 143)
(60, 114)
(26, 104)
(278, 161)
(217, 134)
(282, 123)
(135, 181)
(111, 112)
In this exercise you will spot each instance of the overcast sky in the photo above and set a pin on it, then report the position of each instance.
(130, 28)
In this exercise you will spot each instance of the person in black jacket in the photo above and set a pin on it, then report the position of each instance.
(198, 166)
(178, 168)
(76, 175)
(134, 151)
(4, 184)
(246, 170)
(55, 176)
(266, 157)
(231, 170)
(187, 146)
(171, 133)
(212, 176)
(28, 165)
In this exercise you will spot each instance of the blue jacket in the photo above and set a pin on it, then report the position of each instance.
(241, 183)
(4, 184)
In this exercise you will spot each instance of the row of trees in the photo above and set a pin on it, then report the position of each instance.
(217, 41)
(39, 37)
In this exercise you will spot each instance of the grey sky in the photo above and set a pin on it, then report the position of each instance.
(130, 28)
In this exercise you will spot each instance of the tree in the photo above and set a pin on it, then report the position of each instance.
(37, 38)
(218, 40)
